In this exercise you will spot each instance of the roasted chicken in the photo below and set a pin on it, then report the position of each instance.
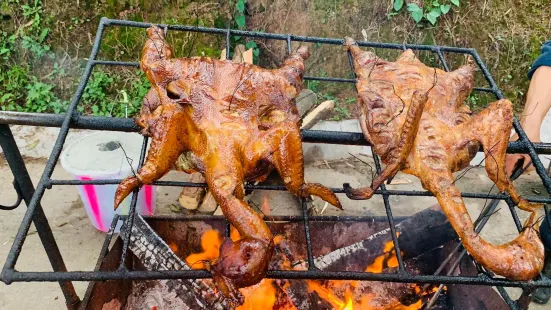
(234, 123)
(415, 118)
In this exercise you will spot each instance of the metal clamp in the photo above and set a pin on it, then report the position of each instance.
(19, 197)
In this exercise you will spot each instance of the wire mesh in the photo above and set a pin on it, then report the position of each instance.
(72, 119)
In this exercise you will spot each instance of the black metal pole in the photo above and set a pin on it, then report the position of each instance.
(19, 170)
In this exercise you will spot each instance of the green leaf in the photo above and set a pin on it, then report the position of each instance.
(95, 109)
(6, 97)
(435, 12)
(435, 4)
(44, 33)
(412, 7)
(398, 4)
(445, 8)
(240, 21)
(455, 2)
(417, 16)
(431, 17)
(240, 6)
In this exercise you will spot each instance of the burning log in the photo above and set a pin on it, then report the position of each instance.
(418, 234)
(155, 254)
(191, 197)
(376, 295)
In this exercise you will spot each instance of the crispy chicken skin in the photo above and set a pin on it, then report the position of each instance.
(416, 120)
(235, 123)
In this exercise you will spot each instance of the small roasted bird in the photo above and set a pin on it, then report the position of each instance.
(416, 120)
(233, 123)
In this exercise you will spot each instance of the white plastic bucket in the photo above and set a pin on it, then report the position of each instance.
(100, 156)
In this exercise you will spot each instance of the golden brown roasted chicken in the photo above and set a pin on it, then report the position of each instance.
(235, 123)
(416, 120)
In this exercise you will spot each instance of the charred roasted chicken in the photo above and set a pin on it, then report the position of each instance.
(234, 123)
(416, 120)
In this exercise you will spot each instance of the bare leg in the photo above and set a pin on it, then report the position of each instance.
(399, 154)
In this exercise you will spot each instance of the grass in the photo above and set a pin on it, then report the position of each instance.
(43, 57)
(507, 34)
(44, 46)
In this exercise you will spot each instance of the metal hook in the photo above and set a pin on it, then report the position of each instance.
(19, 197)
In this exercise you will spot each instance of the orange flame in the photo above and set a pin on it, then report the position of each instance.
(349, 301)
(329, 296)
(174, 247)
(234, 234)
(259, 296)
(210, 242)
(264, 294)
(387, 260)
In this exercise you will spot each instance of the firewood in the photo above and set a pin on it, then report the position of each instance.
(319, 113)
(191, 197)
(208, 205)
(419, 233)
(238, 53)
(305, 101)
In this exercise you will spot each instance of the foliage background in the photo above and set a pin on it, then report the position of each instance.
(44, 44)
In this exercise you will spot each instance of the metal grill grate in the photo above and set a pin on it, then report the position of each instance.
(73, 120)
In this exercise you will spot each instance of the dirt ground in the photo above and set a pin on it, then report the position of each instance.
(80, 243)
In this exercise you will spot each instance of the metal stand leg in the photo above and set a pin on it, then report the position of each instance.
(23, 180)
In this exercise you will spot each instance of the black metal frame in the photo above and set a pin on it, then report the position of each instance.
(73, 120)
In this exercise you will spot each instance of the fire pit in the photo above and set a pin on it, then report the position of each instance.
(386, 258)
(179, 243)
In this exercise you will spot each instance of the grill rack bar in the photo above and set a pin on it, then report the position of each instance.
(79, 121)
(72, 119)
